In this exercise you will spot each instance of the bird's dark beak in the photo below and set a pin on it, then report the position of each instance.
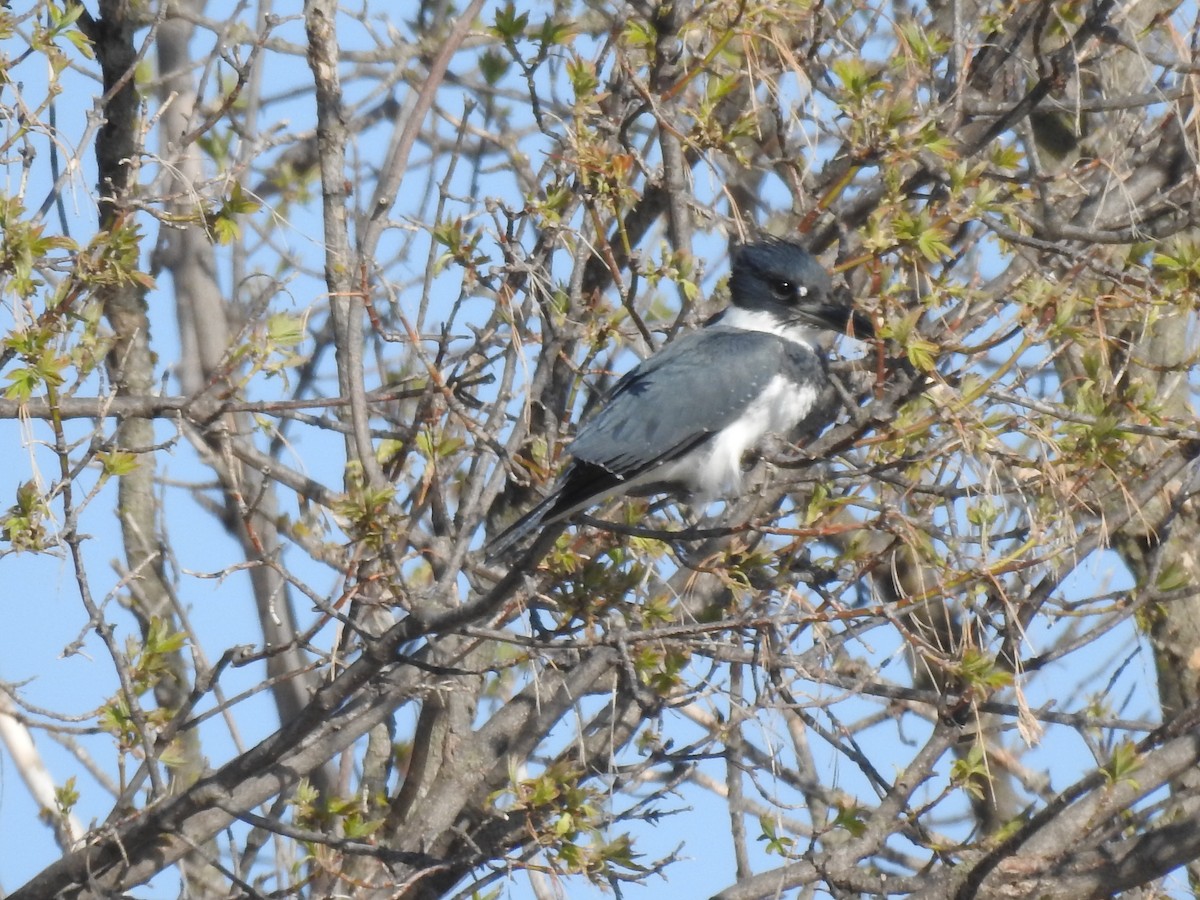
(860, 326)
(842, 318)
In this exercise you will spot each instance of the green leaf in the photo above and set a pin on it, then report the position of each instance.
(565, 825)
(554, 32)
(24, 383)
(970, 772)
(777, 844)
(117, 462)
(851, 819)
(858, 81)
(1172, 577)
(66, 797)
(508, 25)
(81, 42)
(979, 669)
(224, 230)
(1125, 760)
(982, 513)
(493, 66)
(174, 756)
(240, 202)
(356, 827)
(932, 244)
(638, 35)
(285, 329)
(435, 443)
(582, 74)
(922, 354)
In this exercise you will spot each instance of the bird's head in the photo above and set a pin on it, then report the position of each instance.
(779, 285)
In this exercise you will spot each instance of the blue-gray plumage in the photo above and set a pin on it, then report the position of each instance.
(682, 419)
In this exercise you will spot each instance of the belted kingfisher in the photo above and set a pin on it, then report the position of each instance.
(682, 419)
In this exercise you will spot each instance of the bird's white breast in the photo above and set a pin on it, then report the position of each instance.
(715, 469)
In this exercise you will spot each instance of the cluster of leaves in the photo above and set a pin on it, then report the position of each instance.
(566, 819)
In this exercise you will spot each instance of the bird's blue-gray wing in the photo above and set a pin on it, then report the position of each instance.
(678, 398)
(668, 405)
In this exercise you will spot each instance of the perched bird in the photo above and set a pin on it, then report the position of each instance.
(682, 419)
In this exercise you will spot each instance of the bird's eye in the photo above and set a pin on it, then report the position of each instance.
(789, 290)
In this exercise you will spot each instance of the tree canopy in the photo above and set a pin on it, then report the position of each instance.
(301, 307)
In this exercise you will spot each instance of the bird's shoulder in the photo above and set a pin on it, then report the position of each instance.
(697, 385)
(722, 361)
(711, 349)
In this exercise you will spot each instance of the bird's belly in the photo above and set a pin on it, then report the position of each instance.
(714, 469)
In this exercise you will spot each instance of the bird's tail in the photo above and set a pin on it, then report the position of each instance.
(513, 534)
